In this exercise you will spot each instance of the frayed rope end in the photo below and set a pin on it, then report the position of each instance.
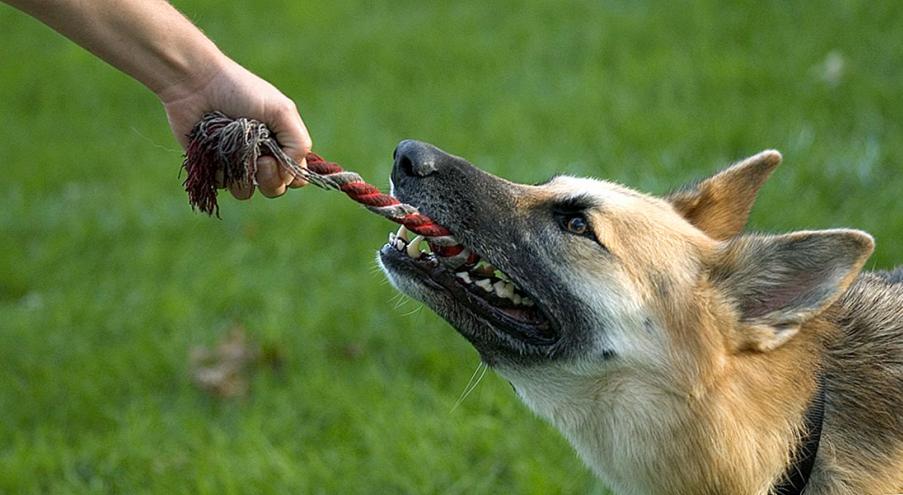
(221, 152)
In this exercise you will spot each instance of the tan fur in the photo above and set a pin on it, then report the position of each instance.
(720, 205)
(697, 349)
(722, 410)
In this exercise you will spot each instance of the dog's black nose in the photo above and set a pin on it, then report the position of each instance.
(418, 159)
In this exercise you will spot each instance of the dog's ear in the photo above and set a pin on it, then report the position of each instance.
(720, 205)
(776, 283)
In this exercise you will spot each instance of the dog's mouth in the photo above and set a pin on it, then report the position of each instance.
(483, 290)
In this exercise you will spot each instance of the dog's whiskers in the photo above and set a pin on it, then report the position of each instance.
(413, 311)
(399, 301)
(471, 384)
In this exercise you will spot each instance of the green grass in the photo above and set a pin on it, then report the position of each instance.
(107, 279)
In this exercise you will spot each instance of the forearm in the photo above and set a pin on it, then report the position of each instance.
(147, 39)
(152, 42)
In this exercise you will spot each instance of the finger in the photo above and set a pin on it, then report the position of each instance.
(298, 146)
(306, 143)
(269, 181)
(289, 178)
(242, 190)
(290, 131)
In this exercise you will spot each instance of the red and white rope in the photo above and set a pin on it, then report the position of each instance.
(225, 150)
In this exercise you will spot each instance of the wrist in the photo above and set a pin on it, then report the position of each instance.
(191, 74)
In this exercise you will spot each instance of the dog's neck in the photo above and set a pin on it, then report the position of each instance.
(641, 435)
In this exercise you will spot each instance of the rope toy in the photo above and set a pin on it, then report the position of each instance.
(229, 148)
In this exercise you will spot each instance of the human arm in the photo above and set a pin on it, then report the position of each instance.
(155, 44)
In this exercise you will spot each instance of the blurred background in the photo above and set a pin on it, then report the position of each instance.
(148, 349)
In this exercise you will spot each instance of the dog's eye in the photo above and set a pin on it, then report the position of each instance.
(571, 218)
(577, 225)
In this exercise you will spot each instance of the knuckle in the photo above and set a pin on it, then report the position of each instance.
(288, 106)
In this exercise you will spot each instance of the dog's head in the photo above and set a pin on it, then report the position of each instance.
(592, 277)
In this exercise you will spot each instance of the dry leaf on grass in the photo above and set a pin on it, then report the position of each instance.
(224, 371)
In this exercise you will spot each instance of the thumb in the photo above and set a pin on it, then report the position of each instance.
(292, 135)
(291, 132)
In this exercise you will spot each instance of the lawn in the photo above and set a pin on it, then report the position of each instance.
(108, 280)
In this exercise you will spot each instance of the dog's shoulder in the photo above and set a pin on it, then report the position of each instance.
(876, 299)
(869, 316)
(864, 372)
(869, 322)
(892, 277)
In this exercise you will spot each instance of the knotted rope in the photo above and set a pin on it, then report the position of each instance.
(230, 147)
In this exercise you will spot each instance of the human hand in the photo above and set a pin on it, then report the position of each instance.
(233, 90)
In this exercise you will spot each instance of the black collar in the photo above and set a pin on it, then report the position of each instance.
(795, 478)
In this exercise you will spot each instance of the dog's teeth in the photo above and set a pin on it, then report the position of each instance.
(526, 301)
(503, 289)
(391, 238)
(399, 244)
(464, 276)
(484, 284)
(517, 298)
(413, 249)
(402, 232)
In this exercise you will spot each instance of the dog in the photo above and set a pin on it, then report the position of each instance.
(676, 353)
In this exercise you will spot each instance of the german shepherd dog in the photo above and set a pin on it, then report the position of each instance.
(676, 353)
